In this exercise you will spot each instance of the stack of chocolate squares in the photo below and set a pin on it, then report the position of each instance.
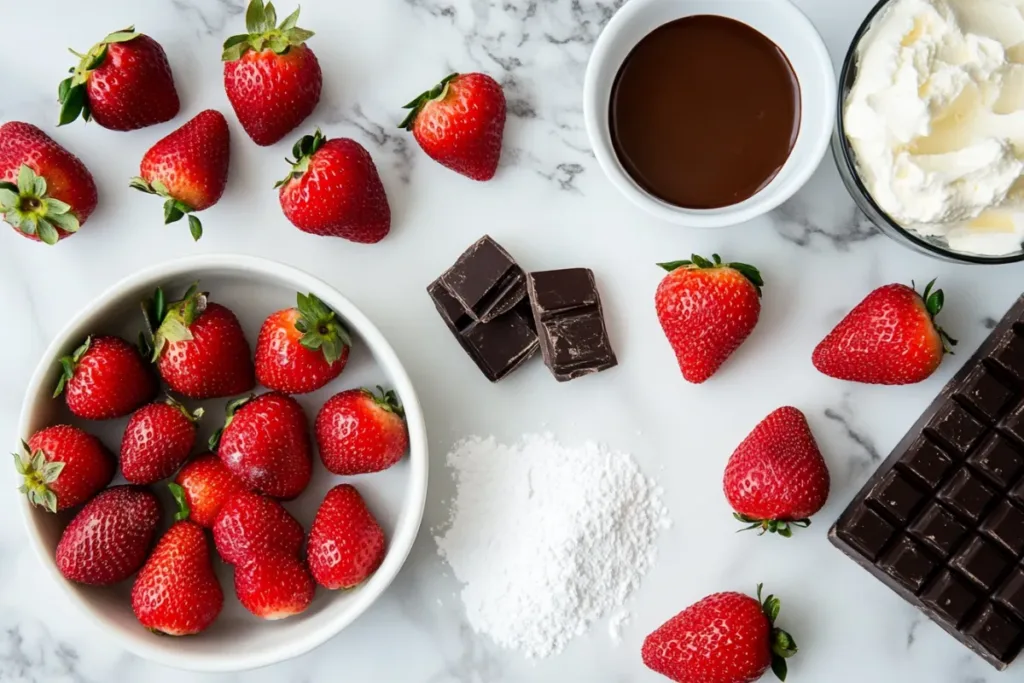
(500, 315)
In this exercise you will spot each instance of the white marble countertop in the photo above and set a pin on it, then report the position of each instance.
(551, 207)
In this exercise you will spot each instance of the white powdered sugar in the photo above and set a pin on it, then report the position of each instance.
(547, 539)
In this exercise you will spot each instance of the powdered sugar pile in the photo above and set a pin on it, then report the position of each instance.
(547, 539)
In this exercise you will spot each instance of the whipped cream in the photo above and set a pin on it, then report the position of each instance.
(936, 120)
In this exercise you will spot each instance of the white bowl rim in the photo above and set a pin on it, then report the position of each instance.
(400, 545)
(768, 198)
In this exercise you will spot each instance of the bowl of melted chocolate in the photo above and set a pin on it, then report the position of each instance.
(709, 113)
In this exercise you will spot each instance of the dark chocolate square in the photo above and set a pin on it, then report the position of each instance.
(950, 596)
(1011, 593)
(907, 562)
(485, 280)
(865, 530)
(926, 461)
(955, 427)
(1005, 525)
(895, 497)
(981, 562)
(1009, 354)
(999, 460)
(985, 393)
(967, 494)
(1016, 494)
(1013, 424)
(997, 634)
(938, 529)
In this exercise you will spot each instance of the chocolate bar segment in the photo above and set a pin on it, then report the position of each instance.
(941, 521)
(485, 281)
(570, 322)
(497, 347)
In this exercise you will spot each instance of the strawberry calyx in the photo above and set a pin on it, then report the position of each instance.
(934, 300)
(303, 151)
(320, 328)
(37, 476)
(230, 410)
(181, 501)
(264, 33)
(782, 527)
(782, 644)
(385, 400)
(170, 322)
(435, 94)
(74, 101)
(174, 209)
(192, 416)
(28, 208)
(68, 365)
(696, 262)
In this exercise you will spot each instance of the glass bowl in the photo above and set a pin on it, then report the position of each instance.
(847, 164)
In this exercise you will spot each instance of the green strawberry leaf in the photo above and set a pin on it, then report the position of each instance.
(47, 233)
(255, 17)
(195, 227)
(73, 105)
(290, 21)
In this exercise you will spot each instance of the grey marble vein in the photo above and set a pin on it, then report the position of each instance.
(797, 223)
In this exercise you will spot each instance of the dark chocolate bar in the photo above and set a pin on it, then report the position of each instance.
(486, 281)
(497, 347)
(570, 322)
(942, 520)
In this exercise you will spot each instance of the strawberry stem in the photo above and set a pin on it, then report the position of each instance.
(782, 644)
(782, 527)
(37, 475)
(232, 408)
(68, 365)
(696, 262)
(934, 300)
(303, 151)
(437, 93)
(179, 498)
(320, 328)
(265, 33)
(386, 400)
(29, 208)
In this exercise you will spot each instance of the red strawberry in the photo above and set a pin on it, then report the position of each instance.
(724, 638)
(459, 124)
(275, 586)
(707, 309)
(776, 477)
(177, 592)
(46, 192)
(105, 377)
(251, 525)
(157, 440)
(333, 189)
(110, 538)
(346, 544)
(62, 467)
(188, 168)
(123, 82)
(207, 485)
(301, 349)
(889, 338)
(199, 346)
(271, 77)
(358, 432)
(265, 443)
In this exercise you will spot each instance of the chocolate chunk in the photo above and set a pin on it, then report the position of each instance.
(497, 347)
(955, 548)
(485, 281)
(570, 322)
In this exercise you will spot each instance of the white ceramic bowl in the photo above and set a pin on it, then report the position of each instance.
(253, 288)
(781, 22)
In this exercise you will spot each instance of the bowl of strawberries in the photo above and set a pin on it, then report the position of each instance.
(226, 448)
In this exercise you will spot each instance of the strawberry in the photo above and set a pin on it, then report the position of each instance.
(888, 338)
(333, 189)
(777, 478)
(358, 431)
(62, 467)
(459, 124)
(123, 82)
(274, 587)
(109, 539)
(188, 168)
(177, 592)
(346, 544)
(271, 77)
(265, 443)
(251, 525)
(198, 346)
(724, 638)
(46, 192)
(707, 309)
(301, 349)
(104, 378)
(207, 485)
(157, 440)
